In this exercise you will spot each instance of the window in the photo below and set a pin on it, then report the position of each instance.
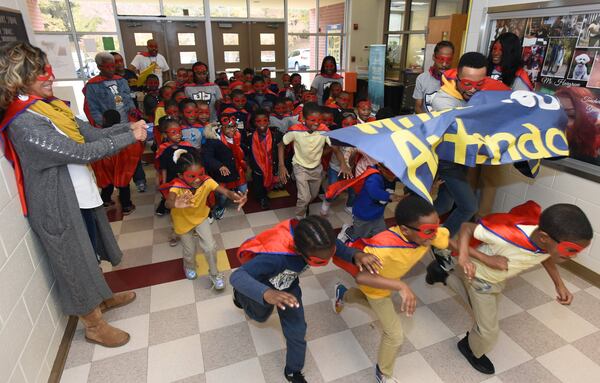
(448, 7)
(49, 16)
(141, 38)
(300, 56)
(267, 56)
(419, 14)
(187, 57)
(186, 38)
(93, 15)
(231, 39)
(194, 8)
(232, 56)
(269, 9)
(231, 8)
(302, 16)
(138, 8)
(267, 39)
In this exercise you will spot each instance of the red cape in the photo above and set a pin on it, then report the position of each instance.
(263, 155)
(504, 225)
(15, 109)
(357, 183)
(238, 155)
(277, 240)
(179, 184)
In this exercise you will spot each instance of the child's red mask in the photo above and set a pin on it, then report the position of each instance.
(239, 102)
(443, 61)
(190, 113)
(426, 230)
(467, 84)
(349, 122)
(567, 249)
(313, 121)
(280, 109)
(191, 177)
(261, 122)
(172, 111)
(204, 113)
(327, 119)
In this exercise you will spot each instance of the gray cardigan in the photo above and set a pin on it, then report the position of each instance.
(54, 213)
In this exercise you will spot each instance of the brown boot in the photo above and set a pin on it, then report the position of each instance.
(99, 332)
(117, 300)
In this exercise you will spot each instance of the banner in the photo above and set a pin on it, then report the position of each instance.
(494, 128)
(376, 75)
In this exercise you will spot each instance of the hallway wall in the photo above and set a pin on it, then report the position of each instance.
(31, 321)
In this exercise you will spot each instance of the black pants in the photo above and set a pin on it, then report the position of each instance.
(124, 195)
(292, 322)
(260, 192)
(90, 224)
(139, 176)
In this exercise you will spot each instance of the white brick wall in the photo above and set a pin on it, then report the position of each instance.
(31, 321)
(551, 187)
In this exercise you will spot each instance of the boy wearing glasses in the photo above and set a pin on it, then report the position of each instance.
(399, 248)
(500, 247)
(429, 82)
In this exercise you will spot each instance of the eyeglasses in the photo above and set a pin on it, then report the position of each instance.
(426, 230)
(567, 249)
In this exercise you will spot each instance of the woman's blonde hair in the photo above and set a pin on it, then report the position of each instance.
(20, 64)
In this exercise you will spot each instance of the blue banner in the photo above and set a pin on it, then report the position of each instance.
(494, 128)
(376, 75)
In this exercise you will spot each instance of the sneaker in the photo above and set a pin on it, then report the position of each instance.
(235, 301)
(173, 241)
(325, 208)
(218, 281)
(338, 304)
(264, 204)
(218, 213)
(161, 209)
(348, 209)
(128, 210)
(141, 187)
(380, 378)
(295, 377)
(482, 364)
(435, 273)
(190, 273)
(444, 258)
(343, 235)
(210, 220)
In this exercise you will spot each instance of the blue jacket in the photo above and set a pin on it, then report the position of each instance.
(99, 98)
(276, 271)
(371, 201)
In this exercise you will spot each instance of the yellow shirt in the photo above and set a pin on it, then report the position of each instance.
(308, 147)
(158, 113)
(398, 261)
(188, 218)
(519, 259)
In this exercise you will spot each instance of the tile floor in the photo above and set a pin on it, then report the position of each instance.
(181, 331)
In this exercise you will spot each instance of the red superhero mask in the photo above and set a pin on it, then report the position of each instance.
(191, 177)
(348, 122)
(316, 261)
(190, 113)
(239, 102)
(167, 93)
(48, 74)
(497, 49)
(259, 87)
(172, 111)
(343, 101)
(280, 109)
(467, 84)
(261, 122)
(426, 230)
(152, 83)
(313, 120)
(227, 119)
(327, 119)
(443, 61)
(290, 106)
(567, 249)
(309, 97)
(203, 113)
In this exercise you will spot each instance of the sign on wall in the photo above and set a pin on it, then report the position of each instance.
(12, 27)
(376, 75)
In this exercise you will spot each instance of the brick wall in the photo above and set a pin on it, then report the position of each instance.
(31, 322)
(551, 187)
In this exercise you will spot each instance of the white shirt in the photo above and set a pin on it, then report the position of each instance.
(142, 62)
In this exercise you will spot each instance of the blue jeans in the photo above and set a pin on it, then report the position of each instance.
(333, 177)
(455, 191)
(292, 322)
(139, 176)
(222, 199)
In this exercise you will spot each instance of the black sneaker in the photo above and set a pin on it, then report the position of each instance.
(235, 301)
(128, 210)
(264, 204)
(296, 377)
(482, 364)
(435, 273)
(444, 258)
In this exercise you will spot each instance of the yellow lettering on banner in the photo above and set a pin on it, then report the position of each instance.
(550, 135)
(462, 140)
(493, 141)
(405, 121)
(433, 139)
(423, 117)
(391, 125)
(535, 167)
(536, 139)
(368, 128)
(402, 139)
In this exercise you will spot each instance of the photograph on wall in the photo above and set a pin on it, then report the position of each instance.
(590, 31)
(594, 78)
(558, 56)
(533, 60)
(536, 28)
(581, 65)
(572, 25)
(516, 26)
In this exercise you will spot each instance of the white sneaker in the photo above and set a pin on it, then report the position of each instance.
(348, 209)
(218, 281)
(325, 208)
(211, 220)
(342, 236)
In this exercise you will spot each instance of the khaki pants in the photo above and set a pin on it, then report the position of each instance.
(392, 336)
(482, 297)
(307, 183)
(207, 244)
(489, 181)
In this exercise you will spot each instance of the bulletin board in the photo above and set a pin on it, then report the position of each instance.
(12, 27)
(561, 56)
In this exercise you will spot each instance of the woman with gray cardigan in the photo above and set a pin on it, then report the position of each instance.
(51, 151)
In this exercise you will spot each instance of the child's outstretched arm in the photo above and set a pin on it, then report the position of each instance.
(344, 169)
(283, 174)
(564, 297)
(180, 201)
(409, 301)
(239, 198)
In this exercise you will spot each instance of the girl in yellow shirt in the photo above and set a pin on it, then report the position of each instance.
(188, 200)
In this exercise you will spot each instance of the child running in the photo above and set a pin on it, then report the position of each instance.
(187, 198)
(269, 277)
(399, 248)
(500, 247)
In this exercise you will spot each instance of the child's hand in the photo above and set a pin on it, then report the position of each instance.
(183, 200)
(224, 171)
(564, 296)
(395, 197)
(280, 299)
(468, 266)
(409, 301)
(240, 199)
(345, 171)
(497, 262)
(283, 174)
(369, 262)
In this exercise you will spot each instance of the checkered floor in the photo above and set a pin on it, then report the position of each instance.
(183, 331)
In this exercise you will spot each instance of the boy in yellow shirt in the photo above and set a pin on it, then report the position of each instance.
(500, 247)
(188, 200)
(399, 248)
